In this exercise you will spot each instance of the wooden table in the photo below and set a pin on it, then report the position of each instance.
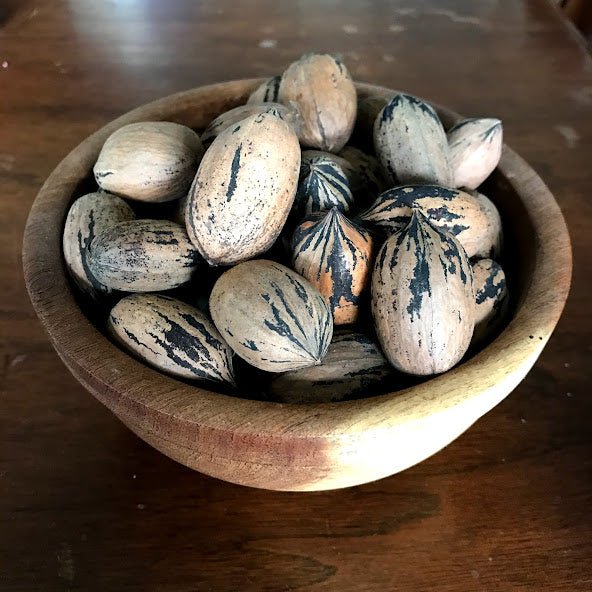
(85, 505)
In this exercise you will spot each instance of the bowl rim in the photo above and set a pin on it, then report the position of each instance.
(128, 387)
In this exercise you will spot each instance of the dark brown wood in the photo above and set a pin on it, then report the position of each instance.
(504, 507)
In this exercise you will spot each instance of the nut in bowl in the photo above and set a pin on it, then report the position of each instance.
(253, 420)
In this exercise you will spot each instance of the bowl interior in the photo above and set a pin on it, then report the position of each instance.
(518, 240)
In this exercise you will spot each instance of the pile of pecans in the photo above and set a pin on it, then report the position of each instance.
(332, 262)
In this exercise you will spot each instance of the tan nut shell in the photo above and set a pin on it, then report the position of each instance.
(171, 336)
(363, 172)
(243, 190)
(458, 212)
(270, 316)
(335, 256)
(228, 118)
(491, 298)
(143, 256)
(88, 216)
(411, 143)
(493, 234)
(353, 365)
(475, 150)
(322, 90)
(151, 161)
(422, 298)
(323, 183)
(267, 92)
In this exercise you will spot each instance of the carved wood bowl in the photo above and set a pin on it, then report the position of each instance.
(299, 447)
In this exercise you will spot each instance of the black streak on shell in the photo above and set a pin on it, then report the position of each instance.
(491, 298)
(143, 256)
(422, 298)
(453, 210)
(354, 366)
(266, 92)
(335, 255)
(322, 185)
(236, 115)
(272, 317)
(411, 143)
(171, 336)
(88, 216)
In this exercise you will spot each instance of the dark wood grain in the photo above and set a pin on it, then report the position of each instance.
(505, 507)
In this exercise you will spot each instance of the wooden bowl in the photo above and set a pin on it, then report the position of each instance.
(291, 447)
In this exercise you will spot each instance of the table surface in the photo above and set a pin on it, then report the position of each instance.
(84, 504)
